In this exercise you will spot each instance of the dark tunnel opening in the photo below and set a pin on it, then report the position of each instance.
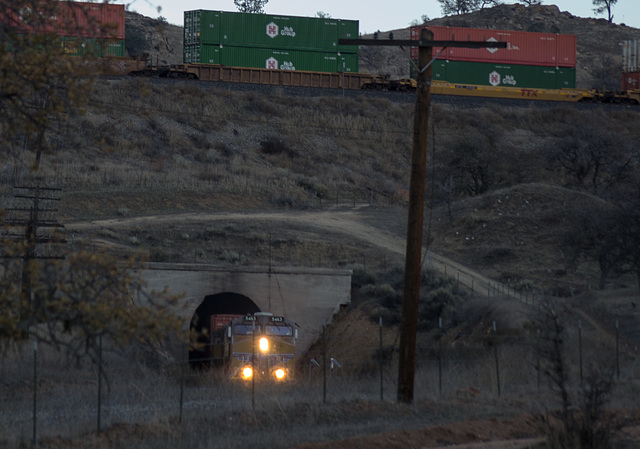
(220, 303)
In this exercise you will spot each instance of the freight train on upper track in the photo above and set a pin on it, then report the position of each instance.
(219, 46)
(309, 52)
(363, 81)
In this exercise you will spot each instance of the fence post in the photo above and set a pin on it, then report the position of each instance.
(441, 356)
(580, 348)
(182, 367)
(324, 361)
(35, 391)
(538, 361)
(99, 381)
(495, 351)
(253, 366)
(617, 350)
(381, 361)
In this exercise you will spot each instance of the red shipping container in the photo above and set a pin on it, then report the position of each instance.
(73, 19)
(631, 81)
(113, 15)
(221, 320)
(526, 48)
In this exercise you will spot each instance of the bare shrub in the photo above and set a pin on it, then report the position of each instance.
(582, 421)
(274, 145)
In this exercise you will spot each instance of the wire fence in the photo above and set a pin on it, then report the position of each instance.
(360, 197)
(44, 396)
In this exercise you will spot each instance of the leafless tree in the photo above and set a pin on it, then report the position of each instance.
(583, 422)
(602, 6)
(597, 158)
(449, 7)
(252, 6)
(600, 234)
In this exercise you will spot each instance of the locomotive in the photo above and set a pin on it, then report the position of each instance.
(253, 347)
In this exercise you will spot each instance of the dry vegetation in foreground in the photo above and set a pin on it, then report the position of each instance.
(149, 401)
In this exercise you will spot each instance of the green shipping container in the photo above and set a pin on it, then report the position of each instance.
(82, 46)
(201, 26)
(505, 75)
(276, 59)
(348, 29)
(202, 54)
(267, 31)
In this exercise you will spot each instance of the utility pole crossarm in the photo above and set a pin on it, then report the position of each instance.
(422, 43)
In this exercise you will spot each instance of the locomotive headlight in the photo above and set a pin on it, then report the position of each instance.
(264, 344)
(279, 373)
(247, 372)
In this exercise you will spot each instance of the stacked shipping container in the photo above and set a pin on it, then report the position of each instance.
(269, 41)
(81, 28)
(631, 65)
(531, 60)
(507, 75)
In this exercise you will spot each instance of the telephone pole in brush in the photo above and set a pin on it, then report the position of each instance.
(413, 258)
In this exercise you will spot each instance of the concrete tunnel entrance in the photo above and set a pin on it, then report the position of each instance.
(220, 303)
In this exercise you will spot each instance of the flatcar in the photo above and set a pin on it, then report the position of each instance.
(363, 81)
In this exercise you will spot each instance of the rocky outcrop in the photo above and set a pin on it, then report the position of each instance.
(155, 37)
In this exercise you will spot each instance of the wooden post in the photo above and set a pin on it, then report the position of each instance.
(409, 324)
(381, 361)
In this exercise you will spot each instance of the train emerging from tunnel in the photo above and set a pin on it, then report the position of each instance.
(257, 346)
(231, 334)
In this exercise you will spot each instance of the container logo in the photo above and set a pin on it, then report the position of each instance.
(272, 63)
(494, 78)
(509, 80)
(492, 50)
(288, 31)
(272, 30)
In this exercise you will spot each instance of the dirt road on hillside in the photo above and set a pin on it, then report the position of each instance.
(348, 223)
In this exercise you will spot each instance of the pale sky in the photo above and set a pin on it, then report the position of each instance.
(373, 15)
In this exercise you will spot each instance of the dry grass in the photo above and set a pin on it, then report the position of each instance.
(141, 395)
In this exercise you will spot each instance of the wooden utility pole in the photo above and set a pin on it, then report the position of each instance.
(31, 218)
(413, 254)
(413, 258)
